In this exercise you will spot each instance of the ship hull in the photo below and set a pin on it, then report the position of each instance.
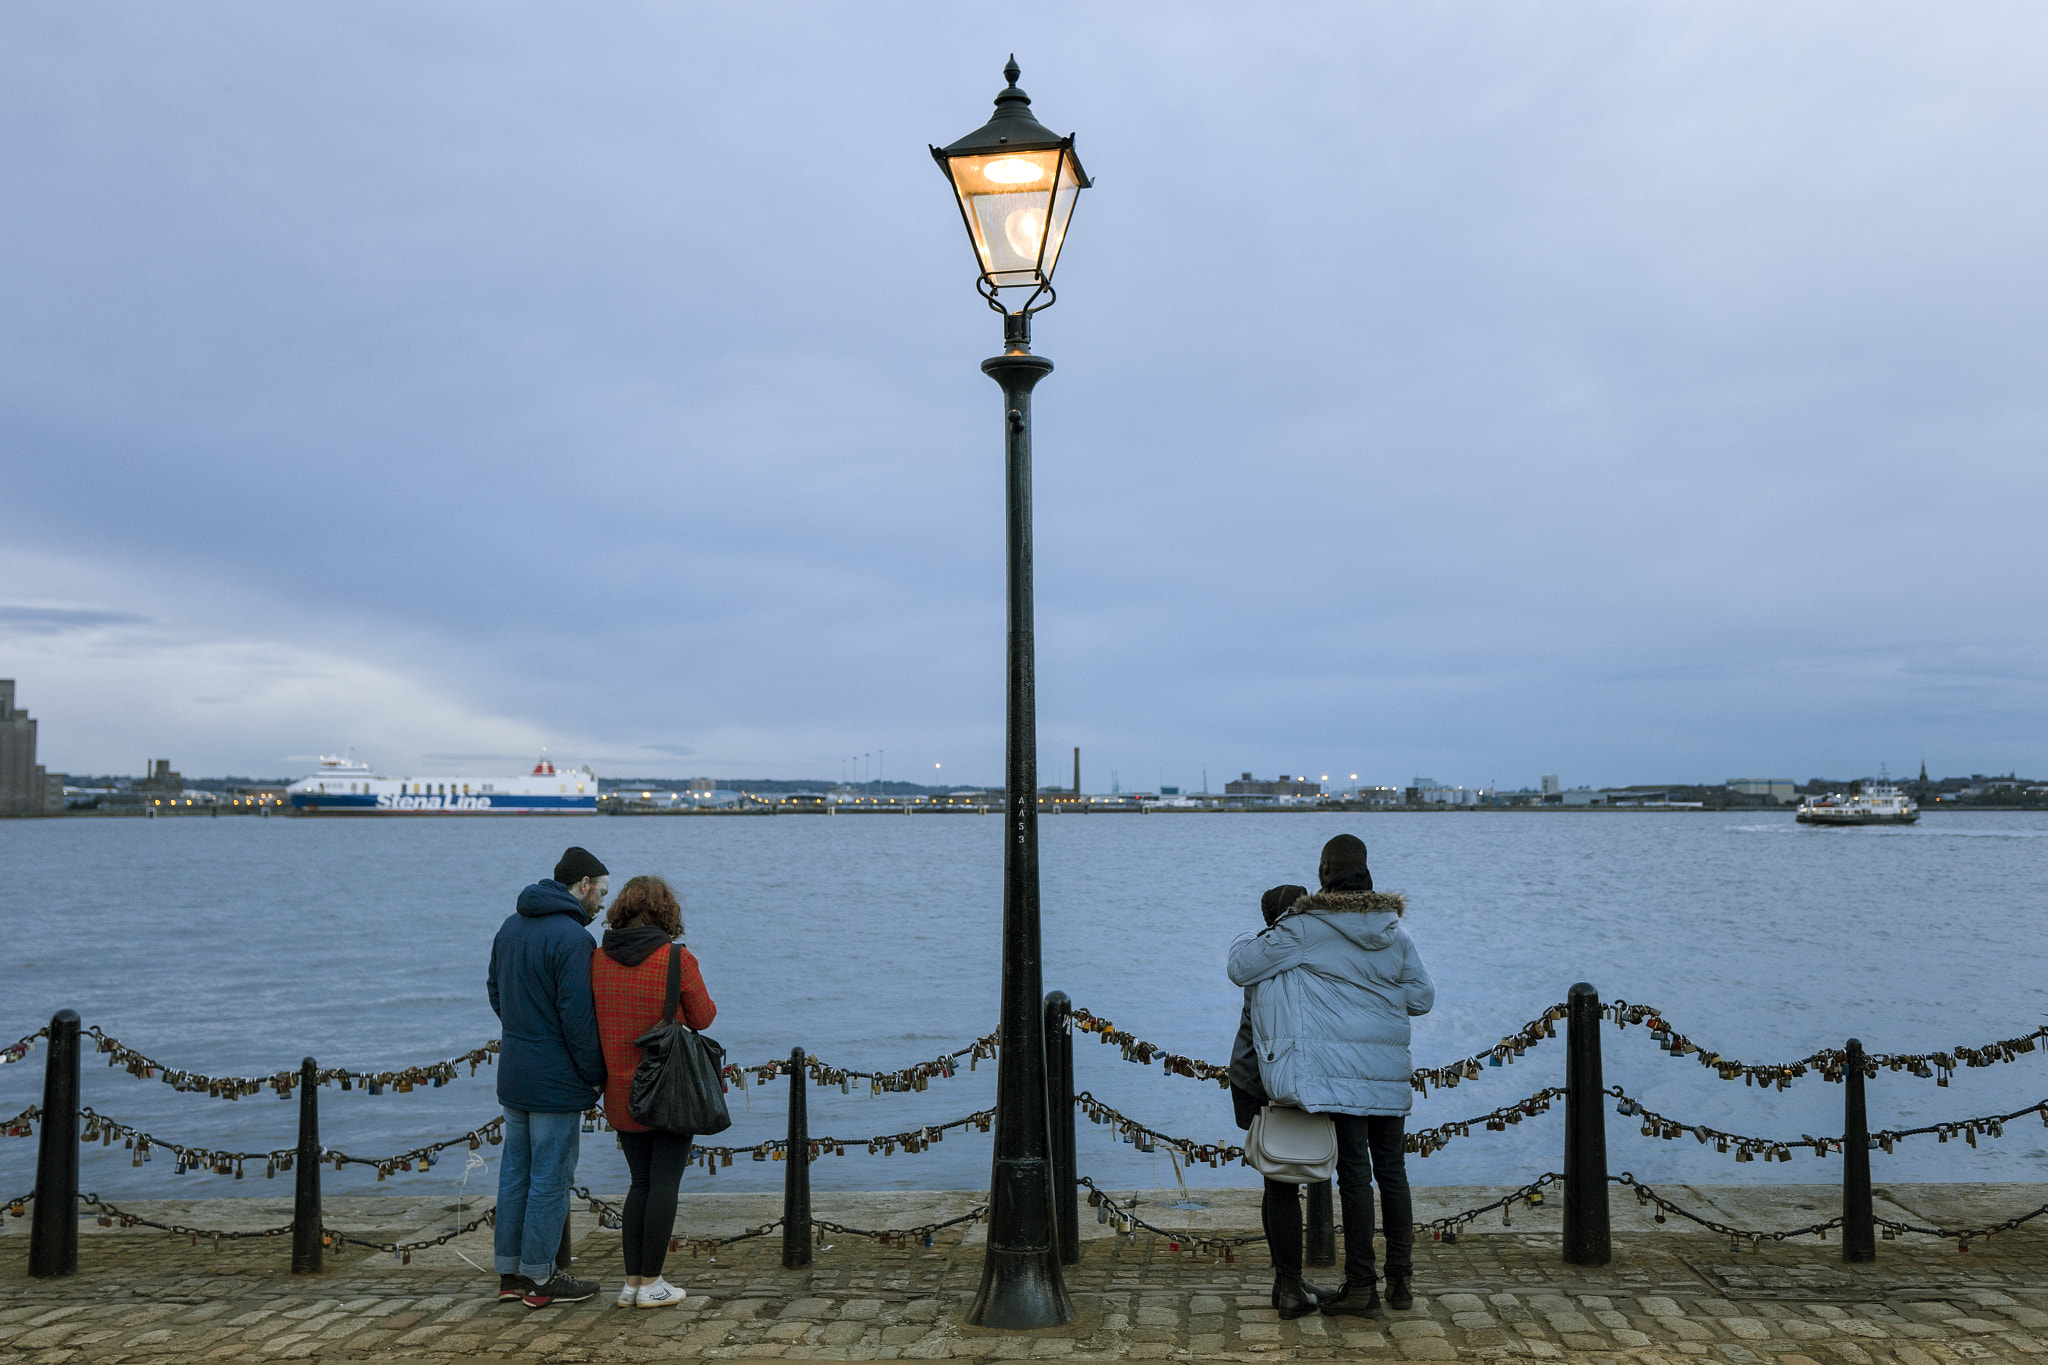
(387, 803)
(345, 788)
(1856, 817)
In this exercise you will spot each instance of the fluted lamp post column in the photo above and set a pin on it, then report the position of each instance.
(1016, 181)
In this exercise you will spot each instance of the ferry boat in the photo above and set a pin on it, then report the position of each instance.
(1877, 803)
(345, 787)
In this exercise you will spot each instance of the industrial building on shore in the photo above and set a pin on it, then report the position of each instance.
(25, 789)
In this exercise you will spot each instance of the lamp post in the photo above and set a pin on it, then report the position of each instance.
(1016, 181)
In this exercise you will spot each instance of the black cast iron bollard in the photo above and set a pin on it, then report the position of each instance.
(1059, 1113)
(1859, 1227)
(1587, 1239)
(53, 1231)
(796, 1172)
(1319, 1232)
(565, 1251)
(308, 1257)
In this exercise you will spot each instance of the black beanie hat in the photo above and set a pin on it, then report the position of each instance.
(1274, 903)
(578, 863)
(1343, 867)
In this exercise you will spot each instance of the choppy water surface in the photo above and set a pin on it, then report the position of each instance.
(239, 946)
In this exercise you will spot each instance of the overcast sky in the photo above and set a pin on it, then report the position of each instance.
(1634, 392)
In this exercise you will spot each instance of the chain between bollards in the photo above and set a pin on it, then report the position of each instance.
(1059, 1112)
(308, 1237)
(1859, 1227)
(53, 1234)
(1587, 1235)
(796, 1171)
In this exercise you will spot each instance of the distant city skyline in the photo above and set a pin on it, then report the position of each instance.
(1620, 391)
(1052, 773)
(1328, 784)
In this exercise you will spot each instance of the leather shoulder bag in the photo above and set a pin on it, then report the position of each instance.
(1291, 1145)
(678, 1086)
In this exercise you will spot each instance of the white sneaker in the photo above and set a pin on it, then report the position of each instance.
(628, 1296)
(660, 1294)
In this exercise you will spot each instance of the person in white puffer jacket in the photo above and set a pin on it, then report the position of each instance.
(1337, 979)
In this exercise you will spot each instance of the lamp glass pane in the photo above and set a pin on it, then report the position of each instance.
(1018, 204)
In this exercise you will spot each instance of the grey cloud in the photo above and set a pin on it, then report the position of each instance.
(62, 620)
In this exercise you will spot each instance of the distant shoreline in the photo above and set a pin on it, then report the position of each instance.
(727, 813)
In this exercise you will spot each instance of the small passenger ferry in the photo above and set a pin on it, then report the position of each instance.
(345, 787)
(1877, 803)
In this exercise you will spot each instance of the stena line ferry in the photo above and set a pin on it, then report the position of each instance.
(344, 787)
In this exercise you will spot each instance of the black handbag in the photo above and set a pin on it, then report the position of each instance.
(678, 1086)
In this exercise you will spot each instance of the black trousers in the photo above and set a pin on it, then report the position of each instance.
(657, 1162)
(1368, 1153)
(1280, 1216)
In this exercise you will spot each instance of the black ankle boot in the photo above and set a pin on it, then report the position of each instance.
(1291, 1298)
(1316, 1291)
(1398, 1296)
(1360, 1299)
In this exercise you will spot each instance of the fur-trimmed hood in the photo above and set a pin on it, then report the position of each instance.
(1370, 919)
(1349, 903)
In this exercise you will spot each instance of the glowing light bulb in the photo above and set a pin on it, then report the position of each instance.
(1013, 171)
(1025, 228)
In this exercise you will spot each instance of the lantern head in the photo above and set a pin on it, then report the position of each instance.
(1016, 181)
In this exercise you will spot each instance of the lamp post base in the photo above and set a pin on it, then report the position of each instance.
(1021, 1289)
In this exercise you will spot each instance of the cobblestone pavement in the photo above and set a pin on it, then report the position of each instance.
(1666, 1298)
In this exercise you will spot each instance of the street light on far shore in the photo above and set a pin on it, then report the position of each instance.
(1015, 182)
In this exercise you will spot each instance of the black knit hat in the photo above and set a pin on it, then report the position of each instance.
(1275, 903)
(1343, 867)
(578, 863)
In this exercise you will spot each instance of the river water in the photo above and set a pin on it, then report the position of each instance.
(238, 946)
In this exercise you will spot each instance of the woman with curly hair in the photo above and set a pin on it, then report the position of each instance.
(629, 978)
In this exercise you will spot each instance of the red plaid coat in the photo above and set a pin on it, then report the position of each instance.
(629, 1001)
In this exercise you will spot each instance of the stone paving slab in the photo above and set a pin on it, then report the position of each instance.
(1499, 1293)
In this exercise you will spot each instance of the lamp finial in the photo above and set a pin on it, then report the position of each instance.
(1011, 70)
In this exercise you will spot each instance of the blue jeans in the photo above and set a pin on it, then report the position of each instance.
(1369, 1153)
(534, 1176)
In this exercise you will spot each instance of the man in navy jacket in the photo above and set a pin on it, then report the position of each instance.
(550, 1069)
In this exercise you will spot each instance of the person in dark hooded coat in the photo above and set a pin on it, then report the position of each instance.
(550, 1069)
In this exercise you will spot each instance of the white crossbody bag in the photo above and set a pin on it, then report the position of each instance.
(1291, 1145)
